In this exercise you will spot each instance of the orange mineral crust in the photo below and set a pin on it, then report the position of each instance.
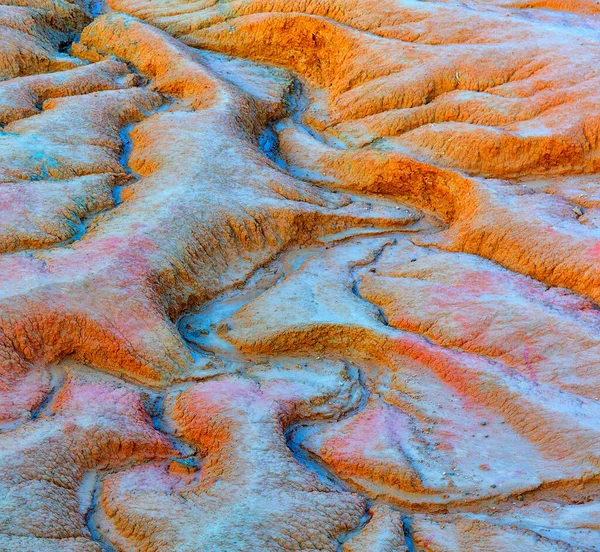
(299, 275)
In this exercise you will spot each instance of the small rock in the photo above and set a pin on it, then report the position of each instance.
(184, 465)
(223, 327)
(134, 80)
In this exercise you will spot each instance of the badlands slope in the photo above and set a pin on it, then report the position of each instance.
(299, 275)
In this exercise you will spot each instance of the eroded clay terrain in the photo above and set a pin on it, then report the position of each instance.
(312, 275)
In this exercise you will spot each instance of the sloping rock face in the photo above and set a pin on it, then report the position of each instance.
(311, 275)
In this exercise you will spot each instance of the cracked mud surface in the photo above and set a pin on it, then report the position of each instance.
(313, 275)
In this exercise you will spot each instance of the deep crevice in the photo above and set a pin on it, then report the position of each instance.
(408, 533)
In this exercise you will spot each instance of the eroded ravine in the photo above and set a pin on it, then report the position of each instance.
(299, 276)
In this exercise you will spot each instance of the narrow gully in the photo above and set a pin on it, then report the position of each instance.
(96, 7)
(297, 104)
(199, 326)
(356, 283)
(297, 433)
(364, 520)
(58, 379)
(82, 226)
(94, 481)
(157, 412)
(408, 534)
(127, 146)
(124, 161)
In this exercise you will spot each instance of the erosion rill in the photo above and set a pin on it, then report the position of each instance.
(311, 275)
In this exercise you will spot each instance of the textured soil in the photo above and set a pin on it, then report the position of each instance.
(299, 275)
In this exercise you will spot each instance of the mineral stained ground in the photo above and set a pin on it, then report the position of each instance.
(299, 275)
